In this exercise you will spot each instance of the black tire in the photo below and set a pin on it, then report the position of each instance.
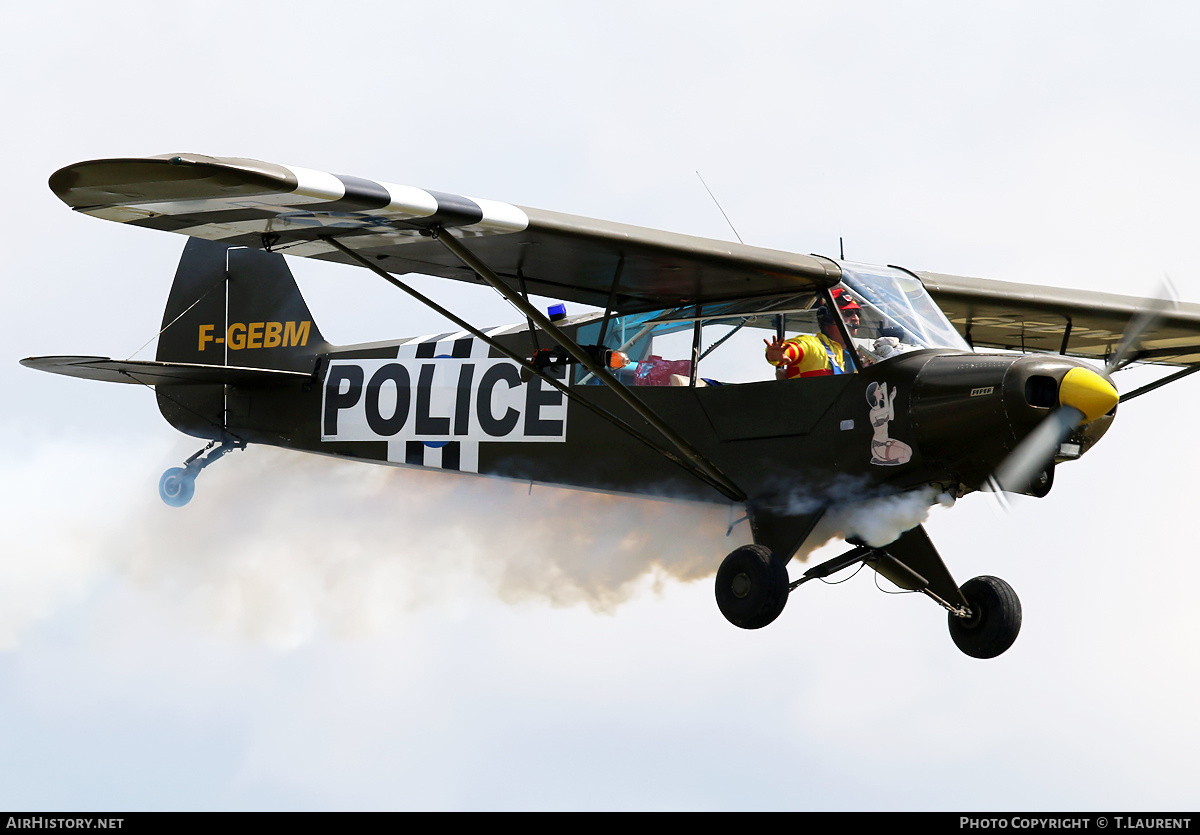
(752, 587)
(177, 486)
(995, 618)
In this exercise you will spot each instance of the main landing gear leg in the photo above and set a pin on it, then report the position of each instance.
(178, 484)
(984, 615)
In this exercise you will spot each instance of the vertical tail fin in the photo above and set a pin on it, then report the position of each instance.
(240, 307)
(230, 306)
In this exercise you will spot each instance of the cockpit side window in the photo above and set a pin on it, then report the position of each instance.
(722, 342)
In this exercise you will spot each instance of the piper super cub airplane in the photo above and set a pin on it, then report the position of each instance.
(616, 400)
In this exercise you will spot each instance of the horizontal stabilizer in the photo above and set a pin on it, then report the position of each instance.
(162, 373)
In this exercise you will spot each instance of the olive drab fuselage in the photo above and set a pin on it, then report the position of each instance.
(454, 405)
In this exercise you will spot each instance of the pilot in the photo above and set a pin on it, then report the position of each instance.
(822, 354)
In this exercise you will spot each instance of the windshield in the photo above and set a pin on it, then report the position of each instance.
(897, 314)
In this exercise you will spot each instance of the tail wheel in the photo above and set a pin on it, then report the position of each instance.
(995, 618)
(752, 587)
(177, 486)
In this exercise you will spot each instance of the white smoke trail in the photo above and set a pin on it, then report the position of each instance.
(882, 520)
(876, 520)
(279, 546)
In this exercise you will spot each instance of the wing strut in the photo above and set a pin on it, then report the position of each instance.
(1192, 369)
(612, 295)
(727, 487)
(532, 329)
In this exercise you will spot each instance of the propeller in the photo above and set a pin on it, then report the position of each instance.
(1083, 396)
(1151, 312)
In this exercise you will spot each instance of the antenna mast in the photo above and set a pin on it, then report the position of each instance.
(714, 199)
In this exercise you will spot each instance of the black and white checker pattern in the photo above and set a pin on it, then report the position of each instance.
(460, 456)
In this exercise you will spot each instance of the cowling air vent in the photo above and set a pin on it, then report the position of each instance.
(1041, 391)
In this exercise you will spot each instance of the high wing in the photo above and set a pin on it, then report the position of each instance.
(1077, 323)
(291, 210)
(298, 211)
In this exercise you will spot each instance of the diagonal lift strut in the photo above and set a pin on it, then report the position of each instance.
(481, 269)
(727, 489)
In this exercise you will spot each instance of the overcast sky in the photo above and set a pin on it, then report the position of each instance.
(311, 634)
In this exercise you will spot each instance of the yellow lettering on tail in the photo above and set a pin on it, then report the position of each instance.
(259, 335)
(295, 333)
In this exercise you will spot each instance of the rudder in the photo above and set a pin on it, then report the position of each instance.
(240, 307)
(230, 306)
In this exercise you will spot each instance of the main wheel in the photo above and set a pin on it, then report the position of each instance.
(752, 587)
(177, 486)
(995, 618)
